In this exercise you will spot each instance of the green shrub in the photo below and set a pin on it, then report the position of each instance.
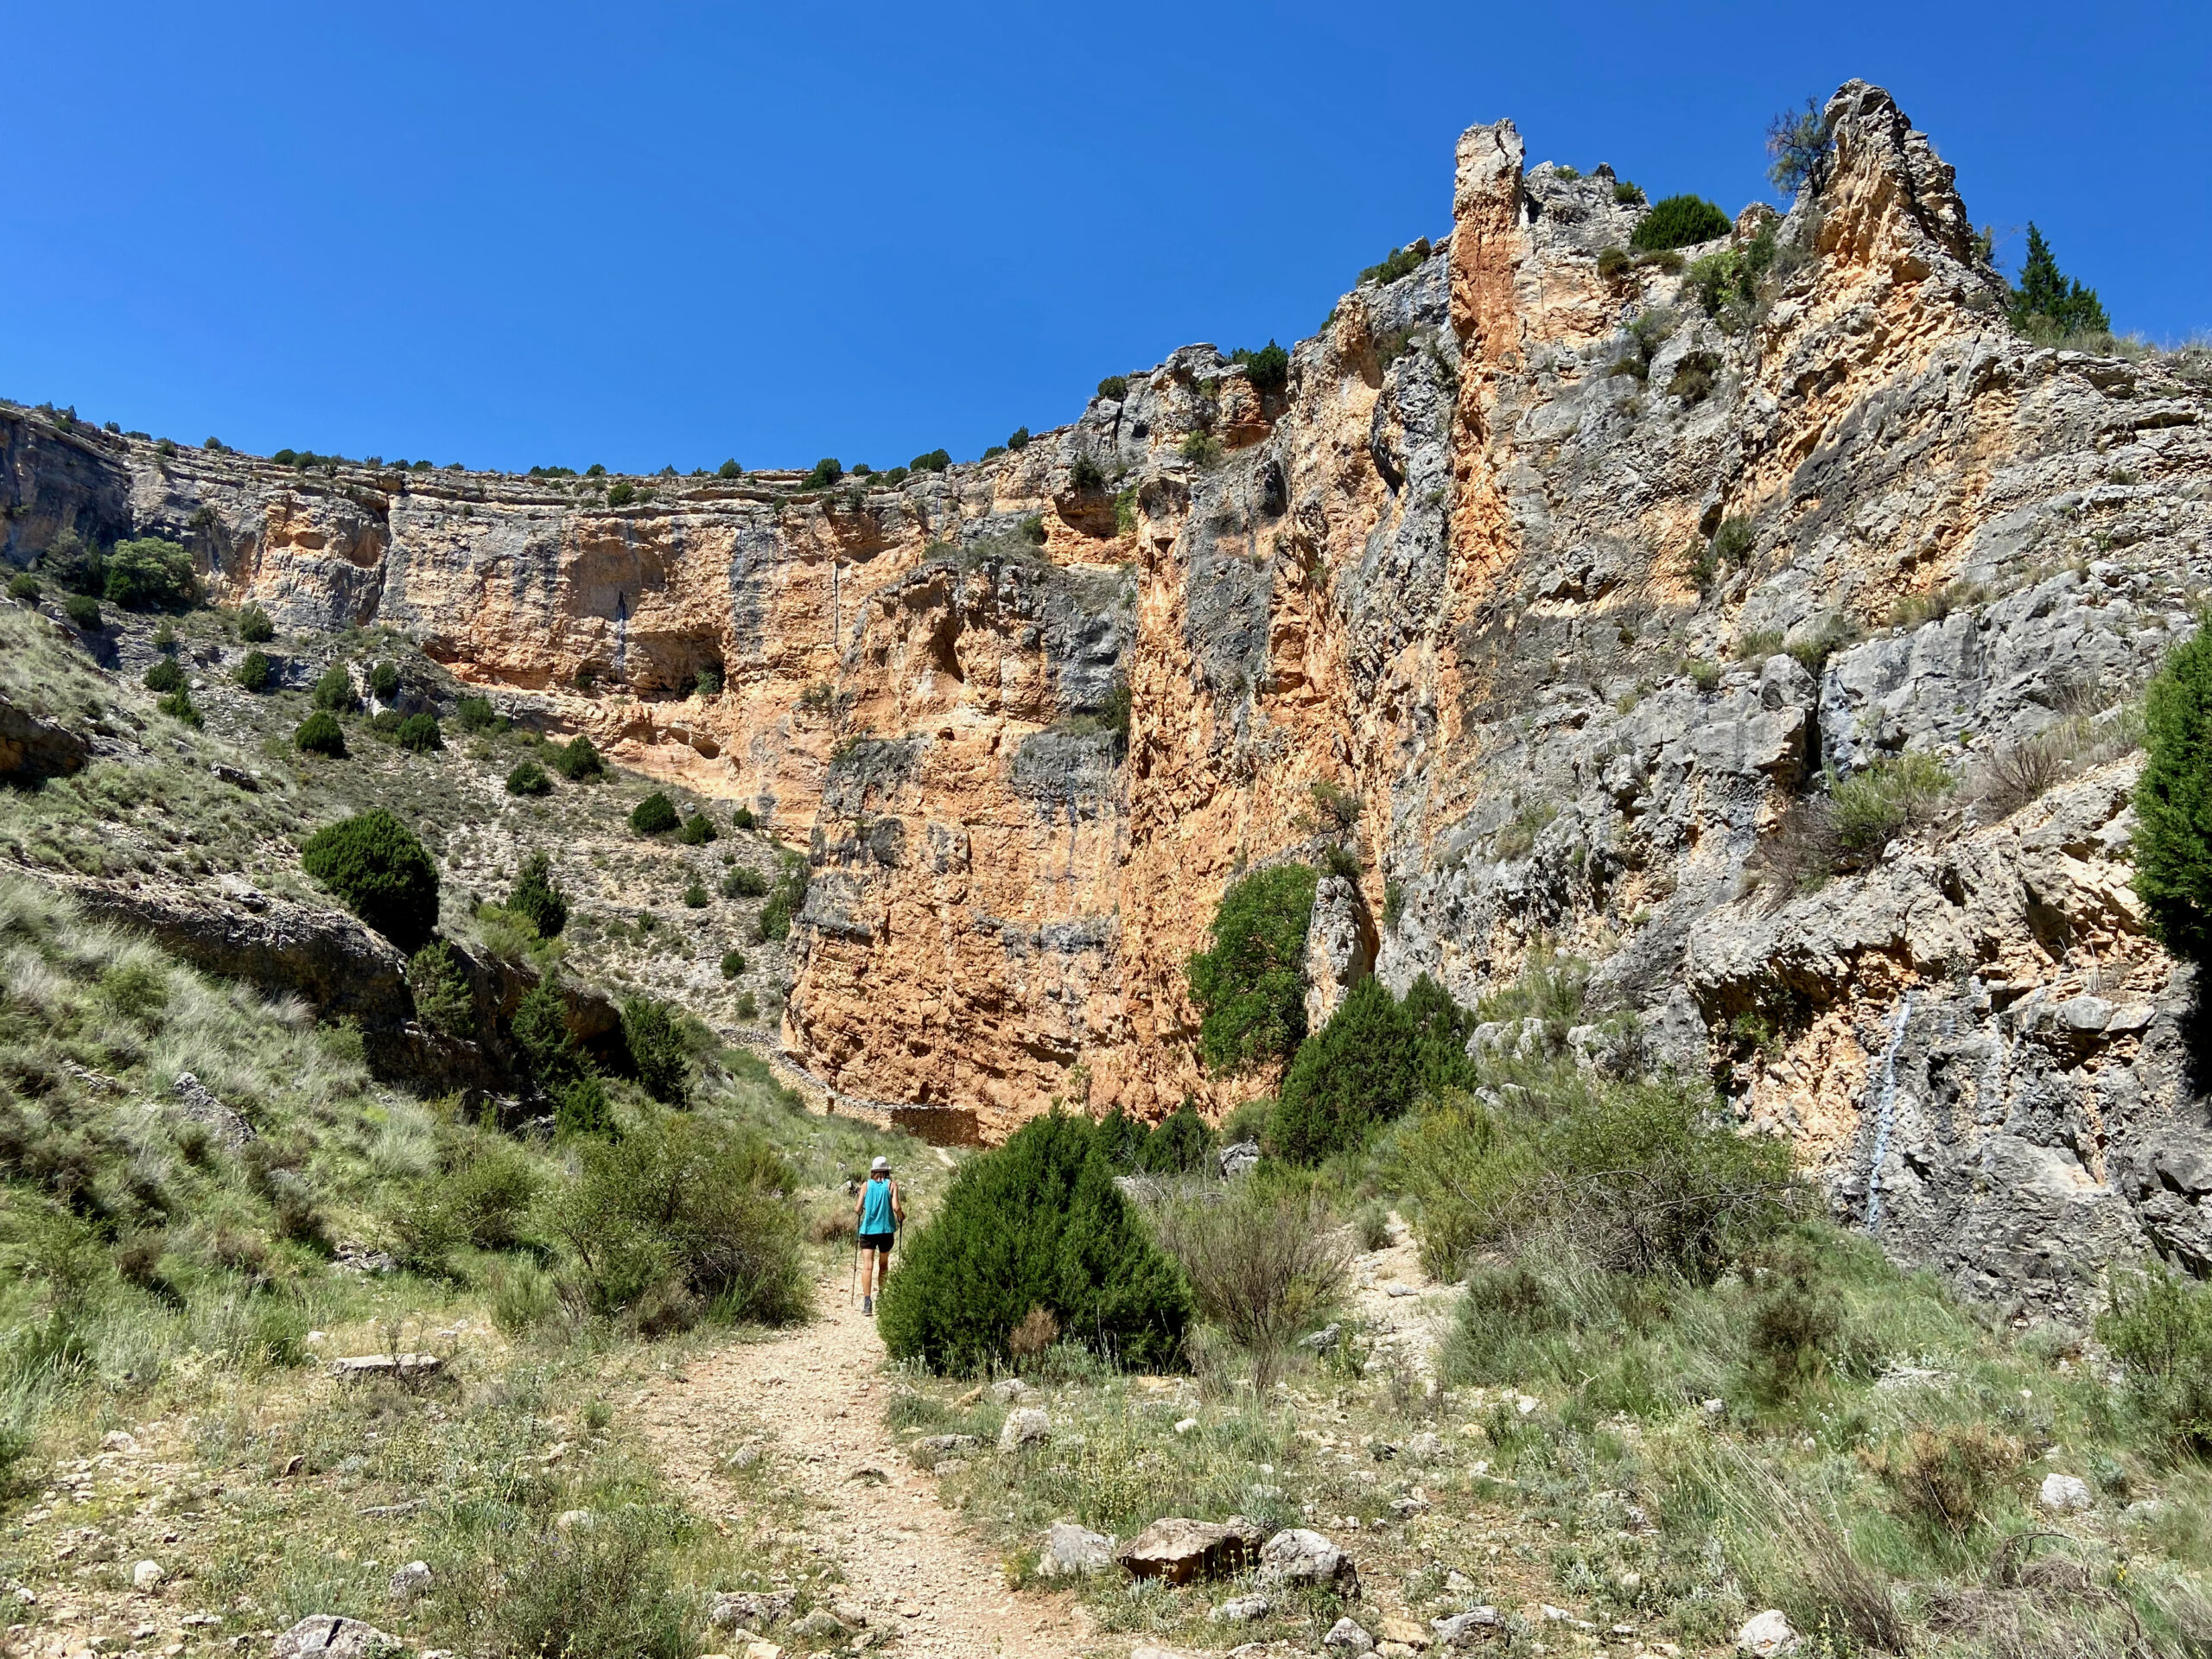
(1114, 387)
(1800, 144)
(1872, 807)
(684, 1213)
(1037, 1223)
(1638, 1177)
(254, 671)
(1627, 194)
(1086, 476)
(480, 1196)
(582, 1107)
(442, 1001)
(1732, 542)
(146, 573)
(385, 723)
(1611, 262)
(605, 1592)
(23, 587)
(747, 1007)
(539, 1027)
(178, 706)
(163, 675)
(935, 461)
(732, 963)
(474, 715)
(654, 1038)
(2162, 1333)
(825, 472)
(1678, 222)
(1250, 987)
(709, 680)
(1018, 439)
(321, 734)
(334, 690)
(654, 816)
(1180, 1144)
(695, 896)
(785, 900)
(578, 760)
(1368, 1065)
(538, 896)
(383, 682)
(1268, 369)
(84, 611)
(380, 872)
(730, 469)
(742, 883)
(419, 735)
(1401, 262)
(1200, 448)
(254, 626)
(742, 818)
(622, 493)
(1262, 1266)
(696, 830)
(529, 778)
(2173, 801)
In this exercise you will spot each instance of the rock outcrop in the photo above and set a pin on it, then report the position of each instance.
(1573, 572)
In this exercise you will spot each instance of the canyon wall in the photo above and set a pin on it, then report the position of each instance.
(1574, 578)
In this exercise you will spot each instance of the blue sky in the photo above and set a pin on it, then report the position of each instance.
(669, 233)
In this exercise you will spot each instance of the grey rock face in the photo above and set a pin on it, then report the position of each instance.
(1340, 947)
(1239, 1159)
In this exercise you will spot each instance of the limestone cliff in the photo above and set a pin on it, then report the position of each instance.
(1575, 573)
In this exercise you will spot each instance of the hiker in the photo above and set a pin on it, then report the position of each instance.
(878, 1214)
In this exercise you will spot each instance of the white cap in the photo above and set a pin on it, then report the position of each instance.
(881, 1166)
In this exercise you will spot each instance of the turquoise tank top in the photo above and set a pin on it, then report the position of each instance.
(875, 1207)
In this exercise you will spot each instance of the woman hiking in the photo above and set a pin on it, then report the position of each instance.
(878, 1214)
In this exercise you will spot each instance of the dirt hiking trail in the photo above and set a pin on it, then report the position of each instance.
(818, 1394)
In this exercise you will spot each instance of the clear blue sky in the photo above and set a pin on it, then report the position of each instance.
(510, 234)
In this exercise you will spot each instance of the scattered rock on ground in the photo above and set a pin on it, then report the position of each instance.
(1464, 1627)
(1325, 1339)
(1027, 1426)
(1241, 1609)
(1011, 1391)
(341, 1638)
(225, 1127)
(1766, 1634)
(941, 1444)
(1239, 1159)
(1071, 1551)
(410, 1581)
(757, 1608)
(819, 1624)
(357, 1366)
(1179, 1550)
(1405, 1632)
(2065, 1493)
(1346, 1638)
(1296, 1555)
(147, 1575)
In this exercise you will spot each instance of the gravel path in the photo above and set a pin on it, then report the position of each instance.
(819, 1392)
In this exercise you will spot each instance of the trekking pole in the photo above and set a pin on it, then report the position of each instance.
(855, 1284)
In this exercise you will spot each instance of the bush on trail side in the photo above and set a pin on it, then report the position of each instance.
(1262, 1265)
(681, 1219)
(1250, 987)
(1038, 1223)
(536, 895)
(539, 1027)
(655, 1040)
(380, 872)
(1371, 1062)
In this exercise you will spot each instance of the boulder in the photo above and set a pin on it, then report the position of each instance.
(1238, 1159)
(2065, 1493)
(1405, 1632)
(1766, 1634)
(1346, 1638)
(1296, 1555)
(1025, 1427)
(199, 1105)
(1180, 1550)
(1074, 1552)
(341, 1638)
(33, 747)
(409, 1582)
(147, 1575)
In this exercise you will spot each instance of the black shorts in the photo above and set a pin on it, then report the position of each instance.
(877, 1242)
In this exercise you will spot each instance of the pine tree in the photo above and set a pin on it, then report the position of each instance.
(2173, 802)
(2046, 303)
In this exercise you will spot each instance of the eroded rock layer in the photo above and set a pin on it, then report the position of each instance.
(1574, 574)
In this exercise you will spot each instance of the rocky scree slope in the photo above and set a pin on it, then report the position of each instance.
(1576, 572)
